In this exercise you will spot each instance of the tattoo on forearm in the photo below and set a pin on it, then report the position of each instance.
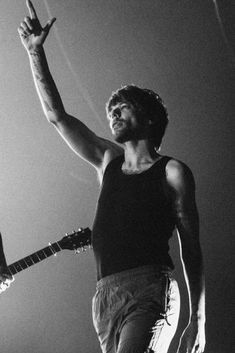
(48, 108)
(47, 88)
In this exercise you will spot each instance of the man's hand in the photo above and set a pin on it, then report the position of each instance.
(5, 278)
(193, 338)
(32, 34)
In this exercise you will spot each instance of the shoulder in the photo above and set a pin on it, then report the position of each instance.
(178, 175)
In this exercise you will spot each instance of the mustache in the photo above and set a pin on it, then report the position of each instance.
(116, 121)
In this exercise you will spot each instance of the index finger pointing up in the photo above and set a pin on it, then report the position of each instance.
(31, 8)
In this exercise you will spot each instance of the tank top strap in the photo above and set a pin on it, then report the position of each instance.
(114, 164)
(159, 168)
(163, 161)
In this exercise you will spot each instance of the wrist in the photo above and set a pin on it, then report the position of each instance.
(35, 50)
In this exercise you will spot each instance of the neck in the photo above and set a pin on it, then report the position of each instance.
(138, 153)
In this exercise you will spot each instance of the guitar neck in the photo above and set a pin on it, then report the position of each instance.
(34, 258)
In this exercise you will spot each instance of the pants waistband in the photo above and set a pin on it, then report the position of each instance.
(134, 274)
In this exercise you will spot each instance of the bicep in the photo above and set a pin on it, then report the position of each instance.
(84, 142)
(182, 189)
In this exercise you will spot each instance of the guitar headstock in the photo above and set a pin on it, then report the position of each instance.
(76, 240)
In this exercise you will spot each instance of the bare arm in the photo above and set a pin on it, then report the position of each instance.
(182, 187)
(78, 136)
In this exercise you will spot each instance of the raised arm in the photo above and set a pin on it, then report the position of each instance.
(82, 140)
(182, 188)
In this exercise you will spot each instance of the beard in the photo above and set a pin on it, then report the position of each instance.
(122, 136)
(127, 133)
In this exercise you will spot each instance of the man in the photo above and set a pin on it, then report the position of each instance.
(5, 276)
(144, 196)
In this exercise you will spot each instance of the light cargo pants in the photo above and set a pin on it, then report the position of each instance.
(136, 311)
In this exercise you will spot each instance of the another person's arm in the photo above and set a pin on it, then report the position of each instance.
(79, 137)
(5, 276)
(182, 187)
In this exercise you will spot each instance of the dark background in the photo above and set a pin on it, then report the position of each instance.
(177, 48)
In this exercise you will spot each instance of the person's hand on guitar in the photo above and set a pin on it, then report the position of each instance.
(5, 277)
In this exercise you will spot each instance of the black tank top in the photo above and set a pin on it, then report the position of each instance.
(133, 221)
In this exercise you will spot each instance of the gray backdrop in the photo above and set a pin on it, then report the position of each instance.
(175, 47)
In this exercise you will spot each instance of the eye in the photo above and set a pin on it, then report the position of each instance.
(117, 111)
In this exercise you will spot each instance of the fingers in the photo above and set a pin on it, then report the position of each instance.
(31, 9)
(199, 348)
(3, 286)
(6, 283)
(22, 34)
(28, 22)
(49, 24)
(26, 27)
(32, 23)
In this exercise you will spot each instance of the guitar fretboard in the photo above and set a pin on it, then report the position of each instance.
(34, 258)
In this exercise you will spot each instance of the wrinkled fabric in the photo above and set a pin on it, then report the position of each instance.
(136, 311)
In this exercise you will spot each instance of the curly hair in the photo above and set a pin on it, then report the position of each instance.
(148, 104)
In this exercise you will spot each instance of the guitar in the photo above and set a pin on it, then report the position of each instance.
(74, 241)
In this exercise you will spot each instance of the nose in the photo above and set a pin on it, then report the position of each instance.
(116, 113)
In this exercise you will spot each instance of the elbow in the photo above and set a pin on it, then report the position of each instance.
(55, 117)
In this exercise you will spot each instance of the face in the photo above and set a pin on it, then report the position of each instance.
(124, 123)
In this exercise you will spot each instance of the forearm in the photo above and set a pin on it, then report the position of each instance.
(195, 279)
(47, 91)
(181, 180)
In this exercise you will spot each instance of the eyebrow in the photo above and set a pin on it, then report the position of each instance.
(118, 105)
